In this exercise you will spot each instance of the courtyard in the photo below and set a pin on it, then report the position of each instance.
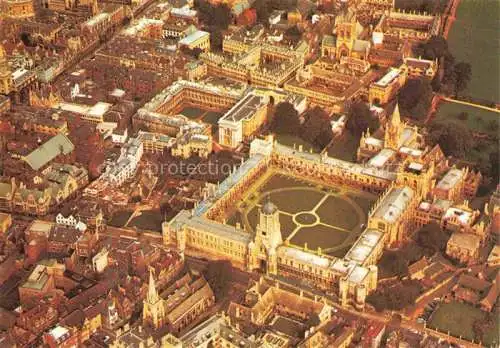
(458, 319)
(311, 214)
(207, 116)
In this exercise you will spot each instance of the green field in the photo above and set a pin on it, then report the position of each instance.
(458, 318)
(479, 120)
(474, 38)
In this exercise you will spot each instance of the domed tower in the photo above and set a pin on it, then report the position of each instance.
(393, 130)
(268, 235)
(6, 83)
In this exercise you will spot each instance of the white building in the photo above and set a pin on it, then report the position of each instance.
(125, 166)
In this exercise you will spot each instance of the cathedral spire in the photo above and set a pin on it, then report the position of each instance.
(152, 293)
(395, 117)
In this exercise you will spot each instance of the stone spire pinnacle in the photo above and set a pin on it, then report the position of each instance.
(395, 117)
(152, 296)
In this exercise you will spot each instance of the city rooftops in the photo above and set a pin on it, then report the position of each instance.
(381, 159)
(191, 38)
(244, 109)
(464, 217)
(364, 246)
(394, 204)
(55, 146)
(306, 257)
(450, 180)
(37, 279)
(389, 77)
(101, 17)
(184, 218)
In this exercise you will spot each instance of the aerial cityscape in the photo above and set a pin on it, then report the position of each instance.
(249, 173)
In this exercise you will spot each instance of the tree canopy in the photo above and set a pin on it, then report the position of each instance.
(462, 73)
(395, 297)
(285, 119)
(218, 275)
(415, 98)
(216, 16)
(431, 237)
(454, 139)
(359, 119)
(317, 128)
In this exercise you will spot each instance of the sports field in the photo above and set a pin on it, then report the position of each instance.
(474, 38)
(478, 120)
(329, 218)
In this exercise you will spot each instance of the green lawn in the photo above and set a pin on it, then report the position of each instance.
(364, 200)
(319, 236)
(212, 117)
(295, 200)
(479, 120)
(458, 318)
(278, 181)
(474, 38)
(192, 112)
(336, 211)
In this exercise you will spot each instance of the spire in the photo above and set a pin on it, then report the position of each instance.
(152, 294)
(395, 117)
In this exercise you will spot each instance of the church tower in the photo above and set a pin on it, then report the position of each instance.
(6, 83)
(268, 235)
(153, 310)
(393, 130)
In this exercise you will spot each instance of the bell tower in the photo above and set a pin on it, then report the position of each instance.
(153, 310)
(268, 235)
(393, 130)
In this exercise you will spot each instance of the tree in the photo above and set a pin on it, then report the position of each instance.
(218, 275)
(431, 237)
(393, 263)
(218, 16)
(454, 139)
(317, 128)
(415, 98)
(463, 73)
(215, 40)
(293, 33)
(263, 11)
(285, 119)
(435, 47)
(359, 119)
